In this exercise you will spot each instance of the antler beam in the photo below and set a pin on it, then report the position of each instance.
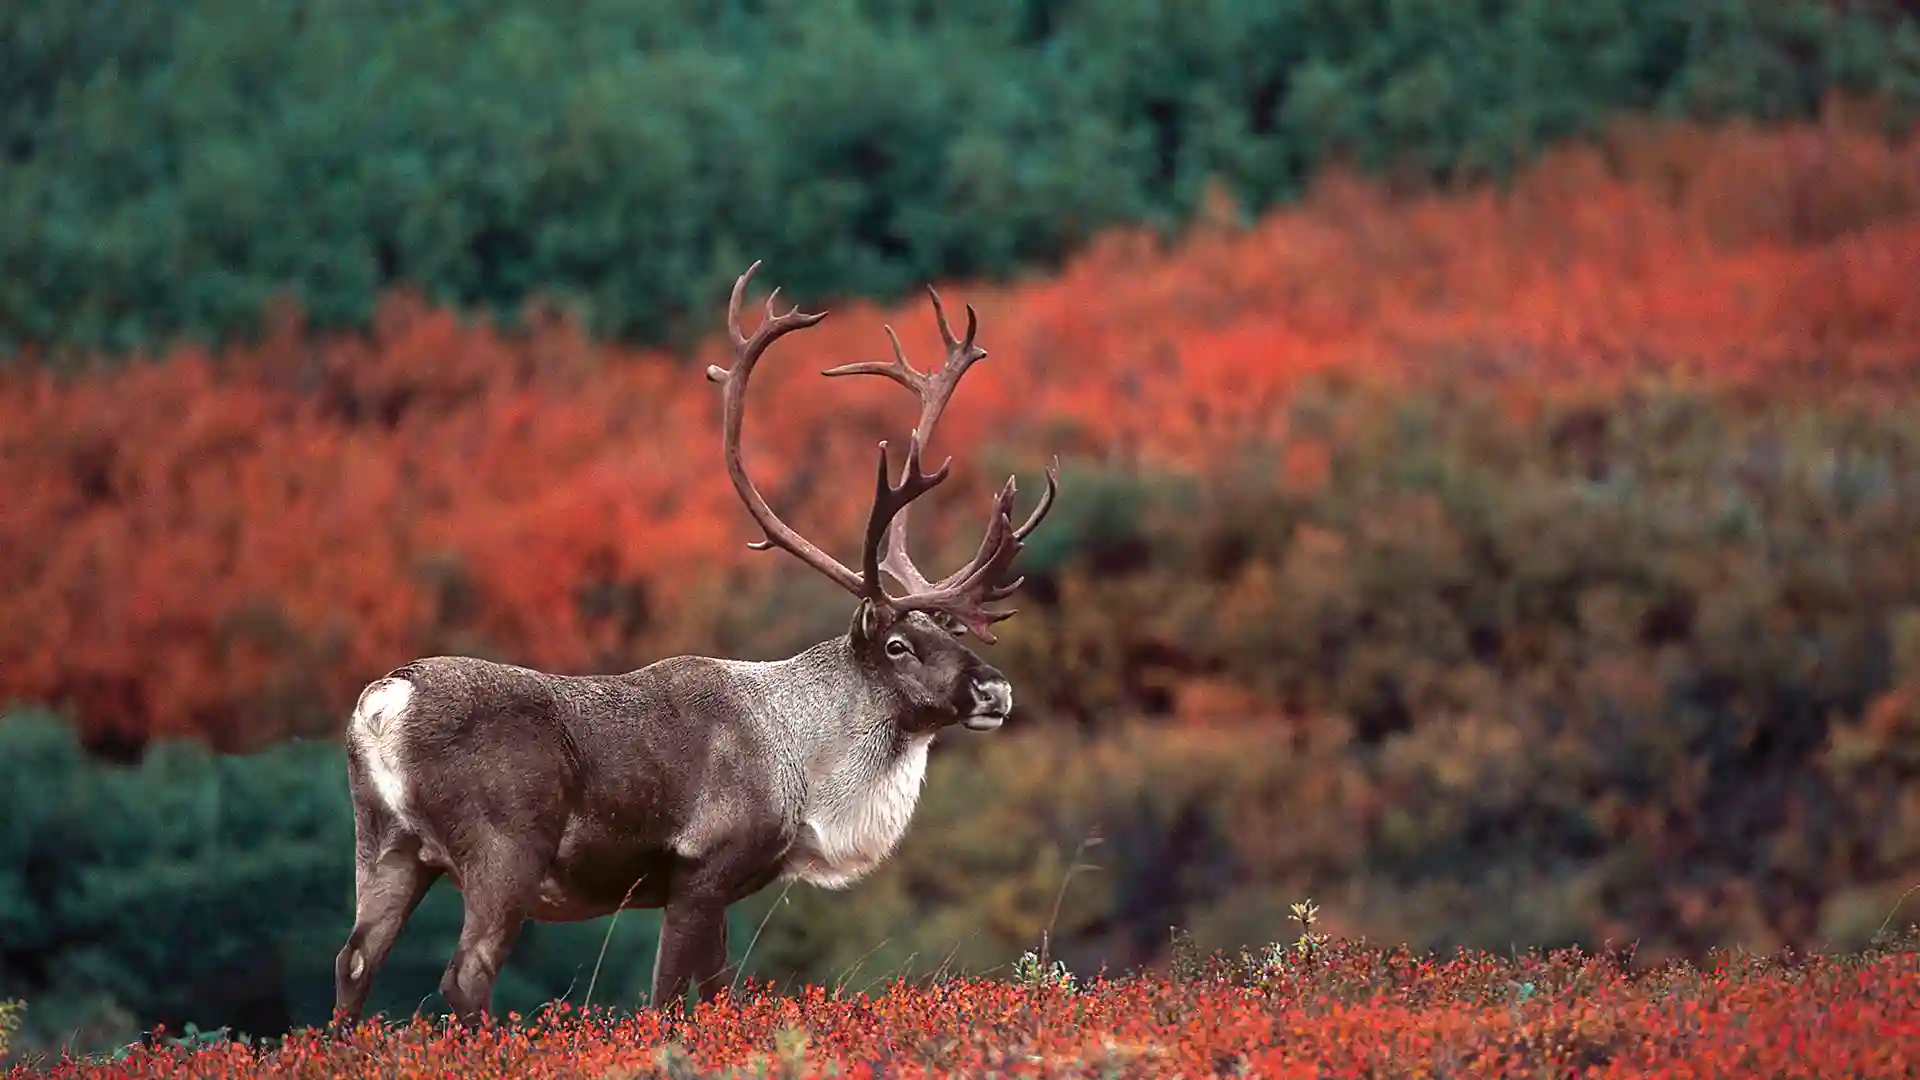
(747, 352)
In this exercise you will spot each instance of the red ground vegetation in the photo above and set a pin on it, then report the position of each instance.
(1344, 1010)
(228, 545)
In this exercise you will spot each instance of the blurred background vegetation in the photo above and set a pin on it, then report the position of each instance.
(170, 168)
(1489, 433)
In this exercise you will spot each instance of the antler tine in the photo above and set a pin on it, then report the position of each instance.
(965, 594)
(934, 390)
(747, 351)
(1039, 513)
(1034, 518)
(890, 500)
(899, 371)
(946, 332)
(961, 355)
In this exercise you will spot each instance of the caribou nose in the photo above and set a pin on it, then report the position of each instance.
(992, 701)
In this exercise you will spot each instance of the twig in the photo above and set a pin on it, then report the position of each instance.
(944, 971)
(1046, 936)
(841, 982)
(741, 969)
(898, 973)
(611, 923)
(1896, 910)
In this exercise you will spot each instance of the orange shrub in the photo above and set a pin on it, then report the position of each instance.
(228, 545)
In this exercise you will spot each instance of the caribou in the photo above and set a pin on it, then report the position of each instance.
(693, 782)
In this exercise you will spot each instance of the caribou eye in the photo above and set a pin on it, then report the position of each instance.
(898, 647)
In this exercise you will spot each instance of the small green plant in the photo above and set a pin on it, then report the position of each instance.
(1032, 972)
(675, 1063)
(790, 1046)
(1305, 947)
(1185, 962)
(11, 1013)
(1310, 941)
(191, 1038)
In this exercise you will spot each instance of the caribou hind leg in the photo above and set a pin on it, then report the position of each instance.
(387, 887)
(501, 881)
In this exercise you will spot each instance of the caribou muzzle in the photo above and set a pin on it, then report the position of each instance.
(992, 701)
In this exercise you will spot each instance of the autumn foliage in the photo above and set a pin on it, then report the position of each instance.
(1341, 1010)
(228, 544)
(1526, 564)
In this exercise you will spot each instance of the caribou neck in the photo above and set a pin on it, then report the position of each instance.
(842, 724)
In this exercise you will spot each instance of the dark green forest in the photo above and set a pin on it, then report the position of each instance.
(172, 169)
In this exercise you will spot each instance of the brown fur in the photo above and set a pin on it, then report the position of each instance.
(687, 784)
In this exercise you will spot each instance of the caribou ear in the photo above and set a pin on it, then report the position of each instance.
(869, 622)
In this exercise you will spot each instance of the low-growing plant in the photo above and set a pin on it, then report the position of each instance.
(1032, 972)
(11, 1011)
(1307, 945)
(1357, 1011)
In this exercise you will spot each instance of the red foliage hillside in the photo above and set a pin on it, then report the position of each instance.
(228, 545)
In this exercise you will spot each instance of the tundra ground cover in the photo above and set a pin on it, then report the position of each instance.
(1321, 1008)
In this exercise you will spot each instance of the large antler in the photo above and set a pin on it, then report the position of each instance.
(999, 547)
(963, 595)
(746, 353)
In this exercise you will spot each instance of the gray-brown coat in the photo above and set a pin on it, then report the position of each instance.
(692, 782)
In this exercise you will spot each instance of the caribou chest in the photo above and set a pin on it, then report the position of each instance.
(851, 823)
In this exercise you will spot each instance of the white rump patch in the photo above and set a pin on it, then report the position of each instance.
(848, 834)
(375, 729)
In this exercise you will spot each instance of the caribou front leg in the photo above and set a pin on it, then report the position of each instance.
(693, 935)
(693, 951)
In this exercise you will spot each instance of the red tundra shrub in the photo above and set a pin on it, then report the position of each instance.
(228, 546)
(1341, 1010)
